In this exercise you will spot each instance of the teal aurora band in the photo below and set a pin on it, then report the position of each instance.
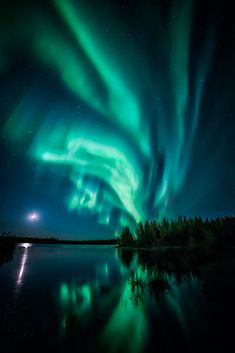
(112, 110)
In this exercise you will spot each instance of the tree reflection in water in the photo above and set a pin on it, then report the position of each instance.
(114, 318)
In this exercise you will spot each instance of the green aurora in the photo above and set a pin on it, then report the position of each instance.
(127, 146)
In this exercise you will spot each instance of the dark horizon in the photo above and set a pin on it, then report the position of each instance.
(180, 219)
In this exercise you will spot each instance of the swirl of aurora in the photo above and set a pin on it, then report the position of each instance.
(123, 134)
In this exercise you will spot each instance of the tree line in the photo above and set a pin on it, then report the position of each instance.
(183, 231)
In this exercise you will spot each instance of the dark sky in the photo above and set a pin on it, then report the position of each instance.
(114, 112)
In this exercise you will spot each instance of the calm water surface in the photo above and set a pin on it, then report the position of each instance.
(69, 298)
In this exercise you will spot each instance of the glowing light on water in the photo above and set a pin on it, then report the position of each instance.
(25, 245)
(23, 262)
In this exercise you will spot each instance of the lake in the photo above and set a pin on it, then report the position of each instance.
(73, 298)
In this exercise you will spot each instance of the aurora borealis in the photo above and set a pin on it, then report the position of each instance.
(114, 112)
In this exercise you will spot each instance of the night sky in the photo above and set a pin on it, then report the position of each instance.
(112, 112)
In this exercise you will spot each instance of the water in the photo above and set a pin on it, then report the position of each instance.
(68, 298)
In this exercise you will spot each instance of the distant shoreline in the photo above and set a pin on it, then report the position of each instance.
(11, 239)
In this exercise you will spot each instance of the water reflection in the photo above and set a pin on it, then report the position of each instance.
(24, 257)
(128, 311)
(126, 256)
(75, 303)
(127, 327)
(81, 303)
(94, 301)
